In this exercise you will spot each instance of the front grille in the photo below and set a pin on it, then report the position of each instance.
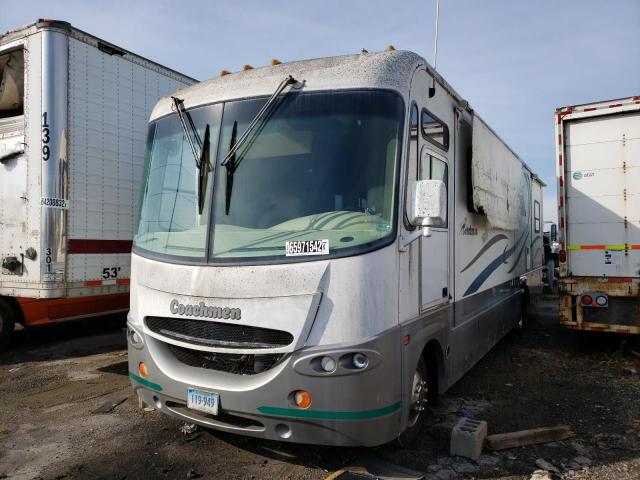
(217, 334)
(238, 363)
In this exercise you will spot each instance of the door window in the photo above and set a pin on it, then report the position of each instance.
(432, 168)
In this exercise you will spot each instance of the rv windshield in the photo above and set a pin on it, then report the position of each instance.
(322, 167)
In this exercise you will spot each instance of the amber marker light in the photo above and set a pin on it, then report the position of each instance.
(302, 398)
(142, 370)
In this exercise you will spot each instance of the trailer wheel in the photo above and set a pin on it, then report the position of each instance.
(419, 400)
(7, 321)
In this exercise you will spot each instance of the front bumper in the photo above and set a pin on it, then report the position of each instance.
(348, 409)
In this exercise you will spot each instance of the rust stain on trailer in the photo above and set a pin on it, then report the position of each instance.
(572, 313)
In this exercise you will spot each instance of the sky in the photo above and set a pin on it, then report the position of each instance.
(515, 61)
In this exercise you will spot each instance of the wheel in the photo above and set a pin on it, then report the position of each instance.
(7, 321)
(420, 396)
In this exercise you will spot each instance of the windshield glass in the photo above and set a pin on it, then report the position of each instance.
(170, 221)
(322, 166)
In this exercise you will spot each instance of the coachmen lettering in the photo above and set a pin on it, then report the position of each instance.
(202, 310)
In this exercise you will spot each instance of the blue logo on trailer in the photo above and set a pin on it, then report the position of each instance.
(577, 175)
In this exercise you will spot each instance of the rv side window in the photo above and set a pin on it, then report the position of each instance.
(536, 216)
(434, 130)
(11, 83)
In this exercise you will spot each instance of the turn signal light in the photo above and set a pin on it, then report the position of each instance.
(302, 398)
(562, 255)
(142, 370)
(587, 300)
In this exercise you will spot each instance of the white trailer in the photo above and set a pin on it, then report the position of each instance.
(323, 247)
(598, 165)
(73, 120)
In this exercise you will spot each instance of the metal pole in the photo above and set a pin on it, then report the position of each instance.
(435, 47)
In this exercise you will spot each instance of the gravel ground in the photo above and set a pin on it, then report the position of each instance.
(52, 380)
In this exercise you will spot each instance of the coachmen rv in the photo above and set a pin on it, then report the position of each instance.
(323, 247)
(73, 118)
(598, 163)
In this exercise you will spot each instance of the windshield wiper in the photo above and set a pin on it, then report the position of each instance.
(231, 167)
(204, 169)
(202, 157)
(230, 161)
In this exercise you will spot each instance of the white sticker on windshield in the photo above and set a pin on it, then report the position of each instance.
(298, 248)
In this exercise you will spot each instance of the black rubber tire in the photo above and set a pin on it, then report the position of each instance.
(412, 431)
(7, 321)
(524, 315)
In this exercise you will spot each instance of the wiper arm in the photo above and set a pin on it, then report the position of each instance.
(230, 160)
(261, 113)
(202, 157)
(179, 104)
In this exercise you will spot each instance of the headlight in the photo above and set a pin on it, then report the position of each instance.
(360, 361)
(328, 364)
(135, 339)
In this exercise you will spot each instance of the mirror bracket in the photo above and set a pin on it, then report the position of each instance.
(409, 238)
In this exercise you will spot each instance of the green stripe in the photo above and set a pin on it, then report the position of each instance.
(327, 415)
(146, 383)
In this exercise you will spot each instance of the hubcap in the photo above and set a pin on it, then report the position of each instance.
(418, 398)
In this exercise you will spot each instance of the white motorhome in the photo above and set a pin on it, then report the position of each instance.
(323, 247)
(73, 118)
(598, 165)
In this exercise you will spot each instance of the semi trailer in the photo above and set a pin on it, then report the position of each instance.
(323, 247)
(598, 165)
(73, 118)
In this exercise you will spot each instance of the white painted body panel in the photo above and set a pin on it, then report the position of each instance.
(602, 196)
(110, 97)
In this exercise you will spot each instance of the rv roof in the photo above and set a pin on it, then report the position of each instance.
(387, 70)
(391, 69)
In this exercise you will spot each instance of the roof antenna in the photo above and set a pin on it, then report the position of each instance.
(432, 88)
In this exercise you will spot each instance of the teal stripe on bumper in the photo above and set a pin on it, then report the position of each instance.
(146, 383)
(328, 415)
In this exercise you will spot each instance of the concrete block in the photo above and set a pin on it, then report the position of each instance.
(467, 438)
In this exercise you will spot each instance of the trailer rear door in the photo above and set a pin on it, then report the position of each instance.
(603, 195)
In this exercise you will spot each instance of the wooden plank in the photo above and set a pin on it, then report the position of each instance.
(503, 441)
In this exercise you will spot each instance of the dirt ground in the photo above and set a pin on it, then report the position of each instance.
(52, 381)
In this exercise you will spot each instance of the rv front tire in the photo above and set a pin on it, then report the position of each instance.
(419, 399)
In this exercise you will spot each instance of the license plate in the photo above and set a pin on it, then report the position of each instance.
(204, 401)
(307, 247)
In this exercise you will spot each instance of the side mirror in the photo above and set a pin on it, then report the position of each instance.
(553, 232)
(428, 206)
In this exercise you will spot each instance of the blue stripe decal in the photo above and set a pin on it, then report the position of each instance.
(492, 267)
(484, 248)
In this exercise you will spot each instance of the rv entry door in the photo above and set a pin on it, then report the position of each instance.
(434, 250)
